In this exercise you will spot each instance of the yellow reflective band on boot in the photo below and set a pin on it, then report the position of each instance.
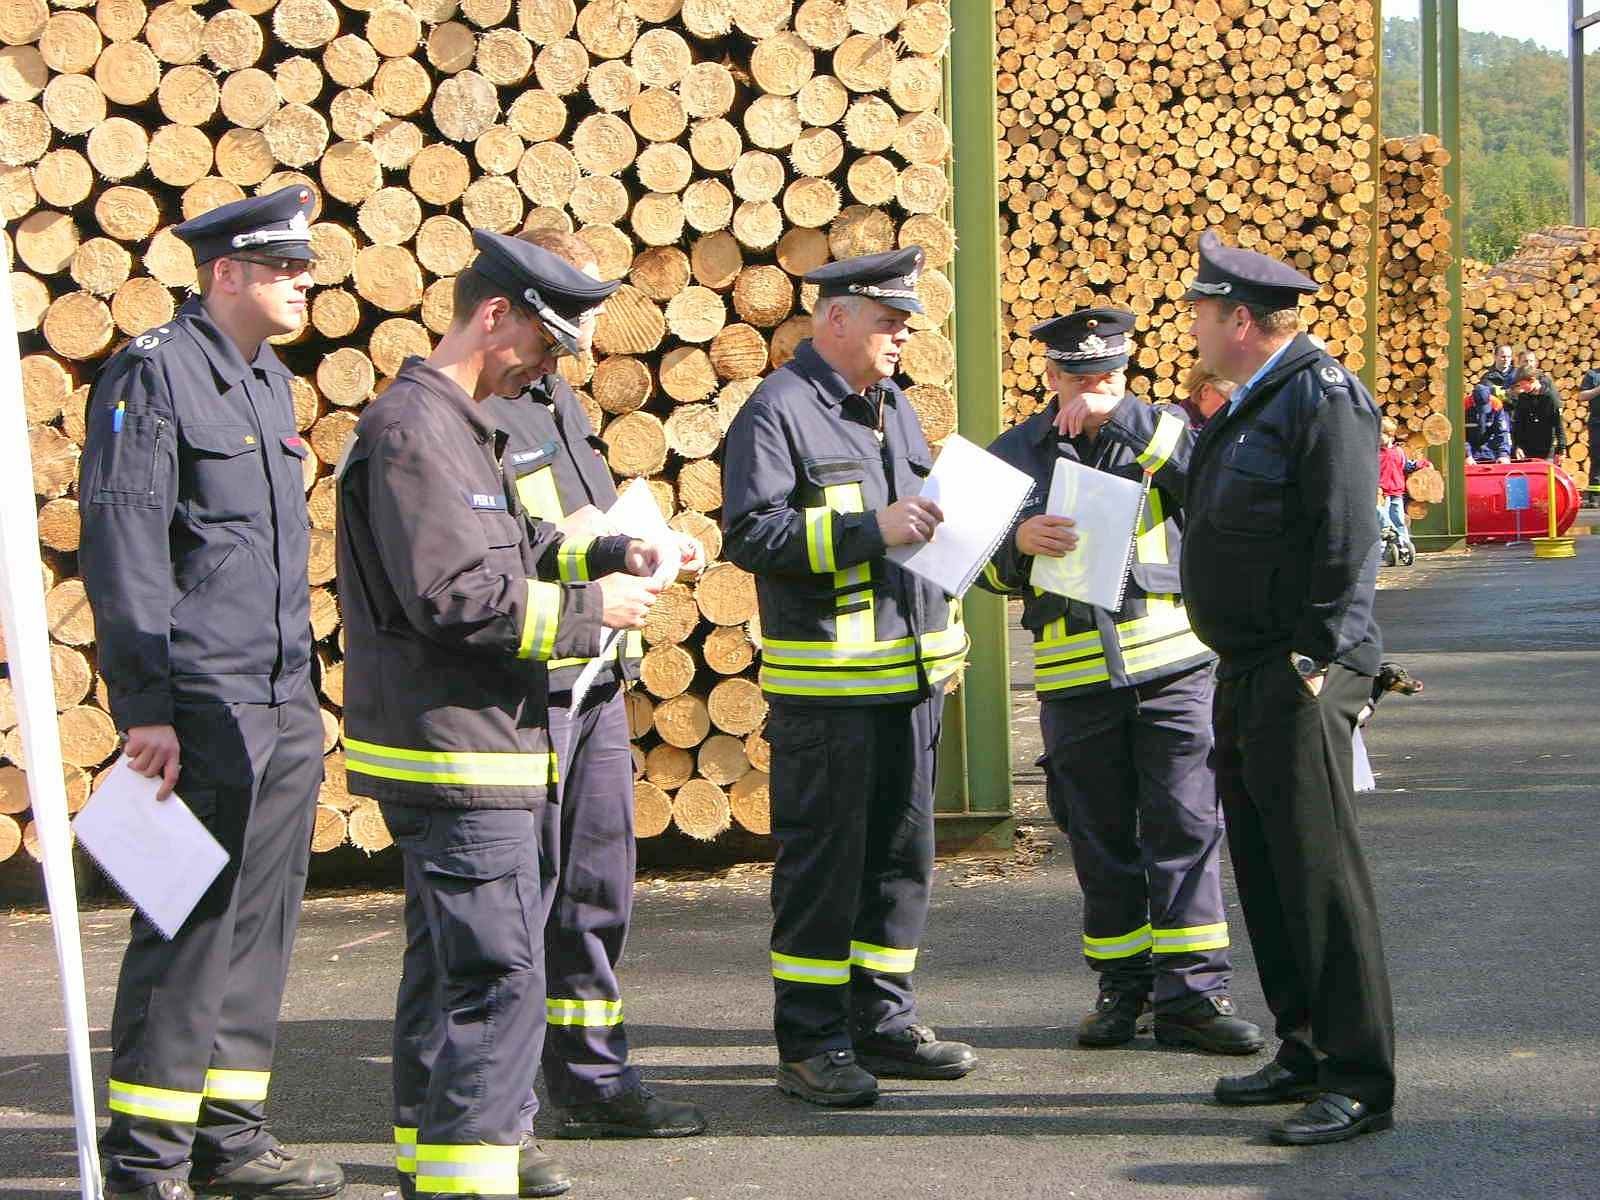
(1169, 428)
(539, 495)
(832, 972)
(590, 1014)
(405, 1149)
(889, 960)
(572, 560)
(483, 769)
(161, 1104)
(1124, 945)
(1195, 937)
(539, 621)
(236, 1085)
(819, 540)
(466, 1170)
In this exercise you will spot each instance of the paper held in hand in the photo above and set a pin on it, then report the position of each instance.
(980, 496)
(156, 851)
(1105, 510)
(635, 513)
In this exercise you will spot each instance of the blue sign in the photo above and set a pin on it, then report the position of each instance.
(1517, 498)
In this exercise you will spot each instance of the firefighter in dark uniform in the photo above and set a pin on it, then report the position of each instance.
(194, 557)
(1125, 705)
(559, 474)
(822, 469)
(1279, 567)
(445, 711)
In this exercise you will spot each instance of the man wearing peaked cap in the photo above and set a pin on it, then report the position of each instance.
(194, 557)
(1125, 704)
(822, 473)
(451, 619)
(1280, 565)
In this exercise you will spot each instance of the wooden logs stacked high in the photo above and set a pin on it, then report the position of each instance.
(710, 151)
(1544, 298)
(1129, 126)
(1414, 303)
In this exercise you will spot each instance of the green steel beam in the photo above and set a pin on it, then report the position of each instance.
(983, 705)
(1430, 66)
(1369, 339)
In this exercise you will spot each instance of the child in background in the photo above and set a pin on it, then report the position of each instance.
(1393, 467)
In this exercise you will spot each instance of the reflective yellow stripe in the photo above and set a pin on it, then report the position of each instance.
(819, 539)
(1169, 428)
(237, 1085)
(1124, 945)
(794, 668)
(405, 1149)
(590, 1014)
(466, 1170)
(1195, 937)
(853, 585)
(483, 768)
(889, 960)
(1164, 654)
(539, 621)
(572, 560)
(832, 972)
(991, 576)
(162, 1104)
(1151, 544)
(539, 495)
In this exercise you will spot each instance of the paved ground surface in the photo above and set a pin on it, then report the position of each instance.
(1483, 840)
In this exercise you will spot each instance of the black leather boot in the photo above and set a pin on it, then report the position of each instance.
(538, 1173)
(161, 1189)
(1209, 1024)
(914, 1052)
(636, 1114)
(1272, 1084)
(1115, 1018)
(831, 1078)
(276, 1173)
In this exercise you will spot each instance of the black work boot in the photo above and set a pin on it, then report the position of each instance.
(538, 1173)
(914, 1053)
(1115, 1018)
(276, 1173)
(1209, 1024)
(161, 1189)
(639, 1113)
(831, 1078)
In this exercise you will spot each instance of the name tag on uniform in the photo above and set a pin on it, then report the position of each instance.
(525, 460)
(486, 502)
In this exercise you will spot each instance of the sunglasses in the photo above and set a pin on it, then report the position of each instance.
(275, 263)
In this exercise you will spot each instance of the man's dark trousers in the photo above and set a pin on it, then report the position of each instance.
(1284, 768)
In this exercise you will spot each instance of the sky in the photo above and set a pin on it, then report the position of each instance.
(1542, 21)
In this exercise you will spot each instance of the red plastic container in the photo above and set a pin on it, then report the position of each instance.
(1489, 485)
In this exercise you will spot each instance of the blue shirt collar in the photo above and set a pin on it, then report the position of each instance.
(1240, 393)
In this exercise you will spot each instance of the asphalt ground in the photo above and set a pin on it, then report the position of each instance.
(1481, 837)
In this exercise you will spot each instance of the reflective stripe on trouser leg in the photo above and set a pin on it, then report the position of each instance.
(446, 1169)
(210, 995)
(1092, 790)
(586, 1043)
(474, 877)
(1181, 830)
(893, 911)
(405, 1149)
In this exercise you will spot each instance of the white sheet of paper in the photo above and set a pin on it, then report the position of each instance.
(1365, 780)
(1105, 509)
(635, 514)
(980, 495)
(157, 852)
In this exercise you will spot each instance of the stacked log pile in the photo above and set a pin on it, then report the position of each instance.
(1413, 304)
(1129, 126)
(1544, 298)
(711, 151)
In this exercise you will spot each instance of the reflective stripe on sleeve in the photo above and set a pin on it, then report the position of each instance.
(1195, 937)
(161, 1104)
(539, 495)
(466, 1170)
(1151, 544)
(889, 960)
(1169, 428)
(832, 972)
(1124, 945)
(819, 539)
(572, 560)
(589, 1014)
(485, 769)
(236, 1085)
(539, 621)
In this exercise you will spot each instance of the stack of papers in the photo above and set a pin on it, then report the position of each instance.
(1105, 510)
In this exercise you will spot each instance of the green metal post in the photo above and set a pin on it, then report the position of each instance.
(1445, 526)
(981, 710)
(1369, 340)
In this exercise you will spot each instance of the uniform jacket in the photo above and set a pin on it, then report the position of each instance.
(556, 464)
(194, 524)
(1536, 426)
(1281, 544)
(804, 472)
(1081, 648)
(1488, 432)
(446, 625)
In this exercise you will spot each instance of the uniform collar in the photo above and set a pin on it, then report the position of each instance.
(223, 357)
(1042, 425)
(476, 416)
(831, 385)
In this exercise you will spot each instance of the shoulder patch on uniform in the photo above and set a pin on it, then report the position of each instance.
(146, 342)
(1331, 375)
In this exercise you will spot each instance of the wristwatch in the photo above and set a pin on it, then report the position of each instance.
(1305, 666)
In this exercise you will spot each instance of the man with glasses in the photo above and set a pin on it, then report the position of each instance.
(448, 629)
(194, 558)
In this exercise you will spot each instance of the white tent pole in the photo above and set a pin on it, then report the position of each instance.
(28, 647)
